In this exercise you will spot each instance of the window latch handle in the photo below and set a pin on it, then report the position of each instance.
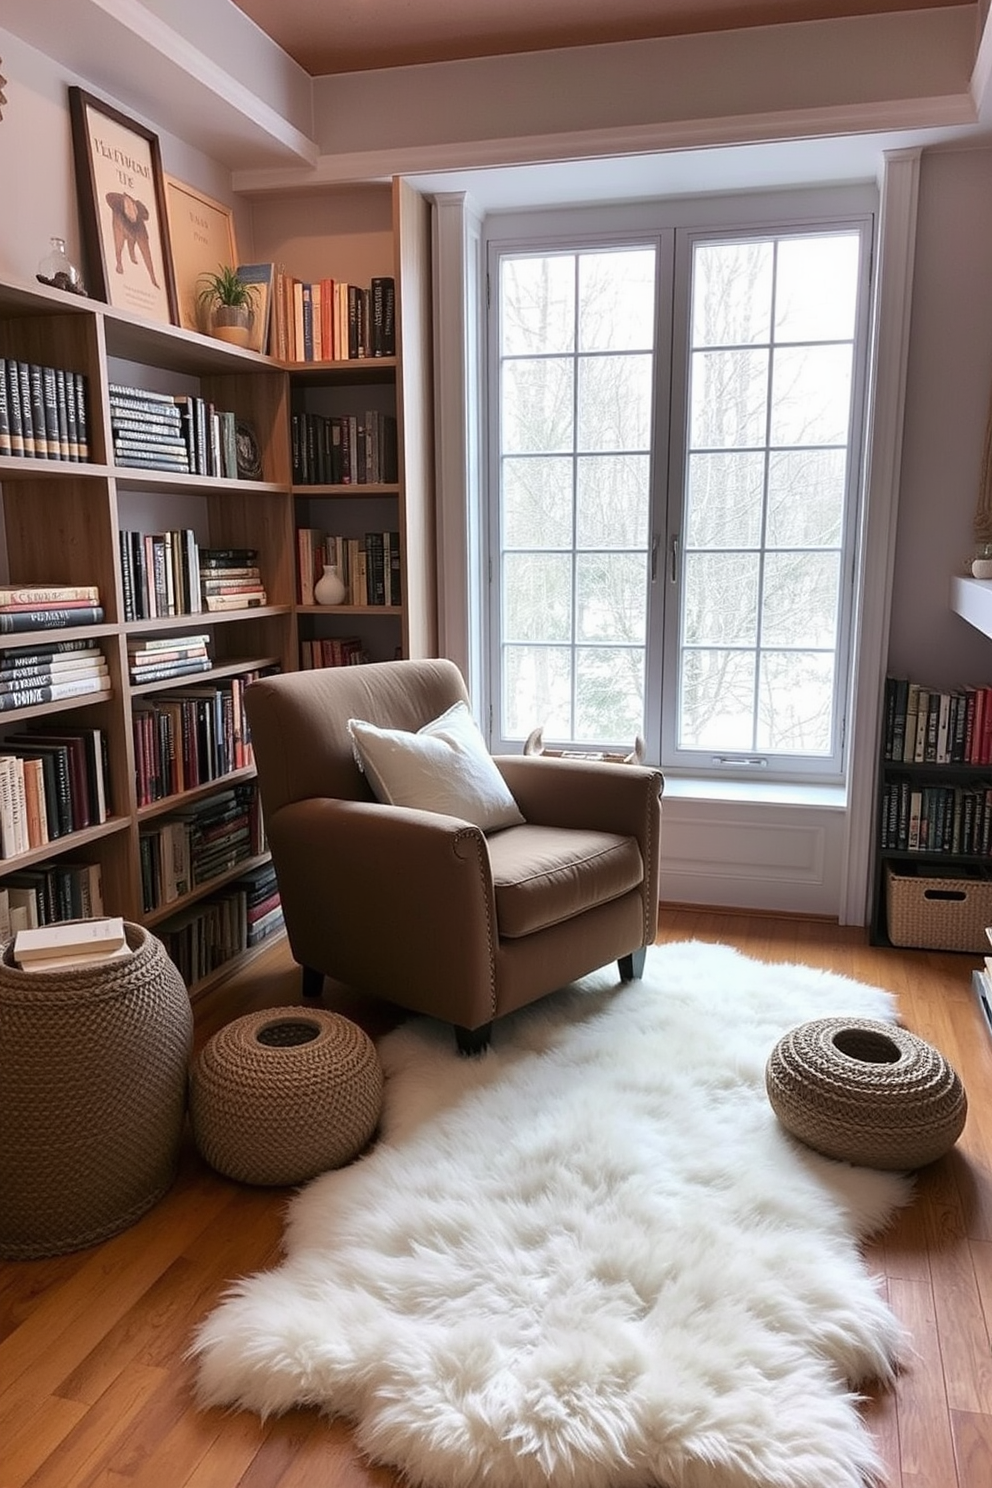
(675, 560)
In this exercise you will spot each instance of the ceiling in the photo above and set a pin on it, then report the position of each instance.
(359, 35)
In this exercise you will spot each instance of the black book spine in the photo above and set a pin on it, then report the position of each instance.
(82, 416)
(5, 444)
(127, 574)
(13, 382)
(14, 621)
(62, 414)
(27, 409)
(45, 376)
(39, 412)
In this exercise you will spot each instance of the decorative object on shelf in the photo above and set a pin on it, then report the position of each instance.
(866, 1092)
(119, 177)
(228, 304)
(534, 744)
(58, 270)
(981, 564)
(329, 588)
(277, 1097)
(93, 1098)
(249, 456)
(201, 236)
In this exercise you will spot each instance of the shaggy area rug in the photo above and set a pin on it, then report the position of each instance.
(591, 1258)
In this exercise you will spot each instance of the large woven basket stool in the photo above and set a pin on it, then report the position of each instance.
(866, 1092)
(93, 1074)
(277, 1097)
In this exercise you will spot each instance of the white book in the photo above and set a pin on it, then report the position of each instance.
(73, 963)
(74, 937)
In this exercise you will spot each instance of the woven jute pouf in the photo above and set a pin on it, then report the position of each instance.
(279, 1096)
(93, 1073)
(866, 1092)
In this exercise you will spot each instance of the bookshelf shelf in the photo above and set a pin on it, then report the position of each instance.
(204, 890)
(67, 844)
(197, 793)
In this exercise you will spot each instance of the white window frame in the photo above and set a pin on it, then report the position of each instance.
(674, 225)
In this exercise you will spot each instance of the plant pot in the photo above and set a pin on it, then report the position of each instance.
(231, 323)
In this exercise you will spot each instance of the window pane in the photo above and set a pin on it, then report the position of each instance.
(724, 500)
(537, 502)
(609, 694)
(537, 597)
(716, 705)
(732, 294)
(616, 301)
(613, 501)
(720, 599)
(537, 691)
(806, 498)
(795, 702)
(817, 289)
(728, 399)
(537, 304)
(614, 403)
(800, 599)
(811, 395)
(611, 597)
(537, 406)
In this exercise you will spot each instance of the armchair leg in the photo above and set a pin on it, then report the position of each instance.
(473, 1040)
(632, 966)
(313, 982)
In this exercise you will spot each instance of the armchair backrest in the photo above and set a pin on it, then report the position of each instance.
(298, 722)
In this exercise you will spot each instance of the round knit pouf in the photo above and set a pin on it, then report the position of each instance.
(279, 1096)
(93, 1073)
(866, 1092)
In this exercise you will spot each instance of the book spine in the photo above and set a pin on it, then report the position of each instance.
(31, 697)
(6, 447)
(40, 594)
(15, 413)
(27, 409)
(50, 408)
(62, 414)
(11, 622)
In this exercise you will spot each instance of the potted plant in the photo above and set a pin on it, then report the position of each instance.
(228, 304)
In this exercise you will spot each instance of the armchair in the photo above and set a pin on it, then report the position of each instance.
(424, 909)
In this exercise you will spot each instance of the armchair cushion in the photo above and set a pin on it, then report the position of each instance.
(444, 767)
(543, 875)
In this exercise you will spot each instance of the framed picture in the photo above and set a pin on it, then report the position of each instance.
(122, 208)
(201, 238)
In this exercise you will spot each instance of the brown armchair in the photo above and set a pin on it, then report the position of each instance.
(422, 909)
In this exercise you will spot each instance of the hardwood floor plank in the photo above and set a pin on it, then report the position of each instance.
(925, 1446)
(80, 1460)
(38, 1436)
(973, 1447)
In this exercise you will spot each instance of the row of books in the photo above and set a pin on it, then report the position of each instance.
(187, 738)
(53, 781)
(344, 449)
(48, 673)
(327, 320)
(163, 658)
(369, 566)
(923, 725)
(43, 411)
(180, 432)
(168, 573)
(192, 846)
(331, 651)
(204, 936)
(936, 818)
(48, 893)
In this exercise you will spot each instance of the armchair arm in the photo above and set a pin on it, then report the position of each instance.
(386, 897)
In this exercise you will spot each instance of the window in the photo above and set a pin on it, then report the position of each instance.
(676, 464)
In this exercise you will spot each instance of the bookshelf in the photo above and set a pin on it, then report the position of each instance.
(62, 519)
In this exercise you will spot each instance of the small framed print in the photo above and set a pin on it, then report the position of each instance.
(122, 208)
(201, 237)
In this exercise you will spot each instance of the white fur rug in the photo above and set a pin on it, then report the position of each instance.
(591, 1258)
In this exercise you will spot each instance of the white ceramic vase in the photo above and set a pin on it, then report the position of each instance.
(329, 588)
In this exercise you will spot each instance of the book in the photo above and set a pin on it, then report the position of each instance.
(262, 276)
(49, 619)
(88, 938)
(14, 415)
(71, 962)
(33, 697)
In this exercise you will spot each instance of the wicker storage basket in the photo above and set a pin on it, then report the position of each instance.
(946, 913)
(92, 1096)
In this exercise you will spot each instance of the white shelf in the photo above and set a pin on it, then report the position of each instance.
(972, 600)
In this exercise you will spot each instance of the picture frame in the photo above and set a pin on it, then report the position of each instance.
(119, 183)
(201, 240)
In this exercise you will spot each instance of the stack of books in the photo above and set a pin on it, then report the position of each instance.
(327, 320)
(79, 946)
(51, 672)
(159, 658)
(205, 935)
(194, 846)
(48, 606)
(230, 579)
(187, 737)
(147, 430)
(42, 411)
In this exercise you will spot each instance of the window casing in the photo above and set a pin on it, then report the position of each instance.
(672, 553)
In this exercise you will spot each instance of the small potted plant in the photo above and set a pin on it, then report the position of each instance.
(228, 304)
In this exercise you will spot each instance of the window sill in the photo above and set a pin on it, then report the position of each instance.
(756, 792)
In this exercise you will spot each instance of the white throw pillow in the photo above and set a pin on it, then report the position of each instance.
(444, 767)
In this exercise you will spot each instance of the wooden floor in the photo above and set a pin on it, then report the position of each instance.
(94, 1389)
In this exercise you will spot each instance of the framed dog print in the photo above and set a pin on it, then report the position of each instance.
(122, 209)
(201, 240)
